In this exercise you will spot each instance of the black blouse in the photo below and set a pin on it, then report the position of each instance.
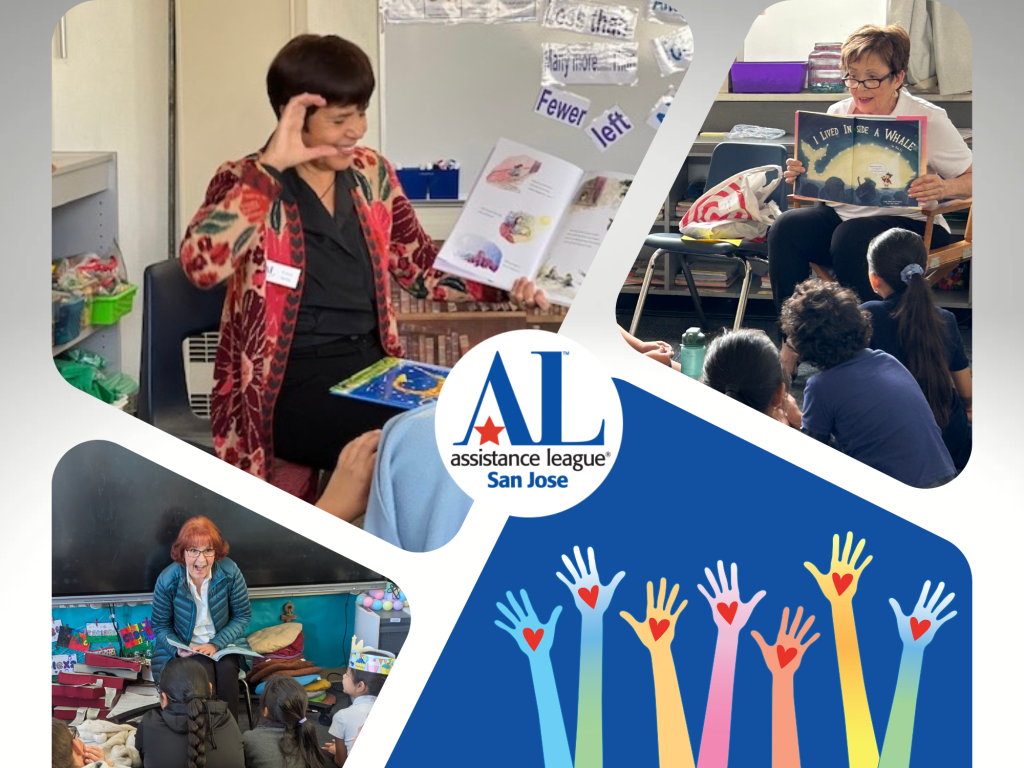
(338, 297)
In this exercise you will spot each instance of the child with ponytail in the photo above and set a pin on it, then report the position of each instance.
(191, 729)
(284, 737)
(907, 324)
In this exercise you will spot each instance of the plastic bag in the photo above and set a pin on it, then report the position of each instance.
(92, 274)
(754, 132)
(737, 208)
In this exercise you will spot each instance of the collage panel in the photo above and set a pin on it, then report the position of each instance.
(280, 271)
(812, 259)
(188, 628)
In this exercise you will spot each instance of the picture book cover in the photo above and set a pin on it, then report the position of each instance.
(532, 215)
(402, 384)
(860, 159)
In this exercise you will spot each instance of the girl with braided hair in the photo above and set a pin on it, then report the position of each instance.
(192, 729)
(284, 738)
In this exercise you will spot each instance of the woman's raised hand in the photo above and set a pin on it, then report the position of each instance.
(793, 169)
(286, 148)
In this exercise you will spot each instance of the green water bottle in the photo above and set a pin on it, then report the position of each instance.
(691, 353)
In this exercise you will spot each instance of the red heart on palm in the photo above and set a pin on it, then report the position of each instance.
(842, 584)
(785, 656)
(533, 638)
(918, 628)
(728, 611)
(658, 628)
(589, 596)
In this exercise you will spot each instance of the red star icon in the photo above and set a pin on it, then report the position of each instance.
(489, 433)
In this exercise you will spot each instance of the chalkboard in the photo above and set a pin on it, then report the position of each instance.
(451, 91)
(116, 514)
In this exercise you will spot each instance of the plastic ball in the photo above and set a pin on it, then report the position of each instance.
(398, 605)
(367, 602)
(387, 605)
(377, 604)
(378, 594)
(362, 596)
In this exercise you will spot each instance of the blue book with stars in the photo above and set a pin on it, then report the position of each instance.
(401, 384)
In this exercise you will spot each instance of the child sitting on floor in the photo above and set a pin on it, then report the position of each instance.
(907, 324)
(745, 366)
(70, 752)
(367, 670)
(285, 738)
(864, 398)
(656, 350)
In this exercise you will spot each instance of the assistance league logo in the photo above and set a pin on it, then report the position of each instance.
(530, 418)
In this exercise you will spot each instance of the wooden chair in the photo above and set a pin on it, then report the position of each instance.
(941, 261)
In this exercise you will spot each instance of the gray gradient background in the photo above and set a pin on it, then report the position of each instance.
(42, 417)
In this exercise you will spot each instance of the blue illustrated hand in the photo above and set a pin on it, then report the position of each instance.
(591, 598)
(918, 629)
(533, 637)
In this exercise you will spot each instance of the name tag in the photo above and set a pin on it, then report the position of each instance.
(282, 274)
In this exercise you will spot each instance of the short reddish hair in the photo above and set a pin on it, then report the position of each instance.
(194, 533)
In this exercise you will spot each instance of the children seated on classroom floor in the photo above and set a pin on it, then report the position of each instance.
(70, 752)
(367, 671)
(285, 737)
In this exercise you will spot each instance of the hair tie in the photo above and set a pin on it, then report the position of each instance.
(302, 721)
(731, 391)
(909, 271)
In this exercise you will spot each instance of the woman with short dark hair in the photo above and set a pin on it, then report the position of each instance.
(201, 601)
(874, 63)
(306, 232)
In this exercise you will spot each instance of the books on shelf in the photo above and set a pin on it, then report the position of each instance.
(407, 305)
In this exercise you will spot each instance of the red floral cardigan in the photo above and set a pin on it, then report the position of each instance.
(244, 223)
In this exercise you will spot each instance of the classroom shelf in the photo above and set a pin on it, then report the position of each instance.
(830, 97)
(80, 175)
(85, 334)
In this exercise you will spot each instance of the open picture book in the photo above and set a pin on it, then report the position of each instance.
(400, 384)
(532, 215)
(860, 159)
(219, 654)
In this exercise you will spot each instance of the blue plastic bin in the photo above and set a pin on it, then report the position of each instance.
(444, 185)
(415, 182)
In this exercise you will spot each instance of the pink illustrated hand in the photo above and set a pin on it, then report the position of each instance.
(783, 658)
(728, 611)
(919, 628)
(839, 585)
(592, 599)
(659, 628)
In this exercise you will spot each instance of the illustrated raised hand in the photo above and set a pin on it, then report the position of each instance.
(783, 658)
(592, 598)
(839, 585)
(533, 636)
(286, 148)
(919, 628)
(659, 628)
(728, 611)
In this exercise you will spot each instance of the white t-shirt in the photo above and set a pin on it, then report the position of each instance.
(948, 154)
(204, 629)
(346, 722)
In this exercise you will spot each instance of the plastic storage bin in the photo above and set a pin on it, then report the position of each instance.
(444, 184)
(107, 310)
(68, 324)
(768, 76)
(415, 182)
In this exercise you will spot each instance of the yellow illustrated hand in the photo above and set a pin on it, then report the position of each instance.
(660, 627)
(839, 584)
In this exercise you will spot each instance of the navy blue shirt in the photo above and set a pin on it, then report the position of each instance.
(877, 413)
(885, 337)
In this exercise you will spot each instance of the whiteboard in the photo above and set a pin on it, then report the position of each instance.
(451, 91)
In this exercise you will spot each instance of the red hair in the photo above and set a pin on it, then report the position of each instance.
(194, 533)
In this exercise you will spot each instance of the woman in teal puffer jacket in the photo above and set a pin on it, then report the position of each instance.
(201, 601)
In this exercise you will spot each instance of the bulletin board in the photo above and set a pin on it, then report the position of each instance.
(452, 90)
(116, 514)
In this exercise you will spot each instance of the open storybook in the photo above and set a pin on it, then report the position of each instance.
(532, 215)
(391, 381)
(860, 159)
(219, 654)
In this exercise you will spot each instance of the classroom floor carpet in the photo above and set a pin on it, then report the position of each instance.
(664, 324)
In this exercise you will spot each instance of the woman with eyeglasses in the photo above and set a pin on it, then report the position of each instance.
(201, 600)
(874, 60)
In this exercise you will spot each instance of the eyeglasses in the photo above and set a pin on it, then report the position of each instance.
(207, 553)
(74, 732)
(870, 84)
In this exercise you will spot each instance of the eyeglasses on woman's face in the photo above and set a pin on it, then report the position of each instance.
(207, 553)
(870, 83)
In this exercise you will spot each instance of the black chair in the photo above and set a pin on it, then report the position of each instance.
(173, 309)
(727, 159)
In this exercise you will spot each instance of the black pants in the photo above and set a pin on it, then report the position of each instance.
(224, 676)
(801, 236)
(311, 425)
